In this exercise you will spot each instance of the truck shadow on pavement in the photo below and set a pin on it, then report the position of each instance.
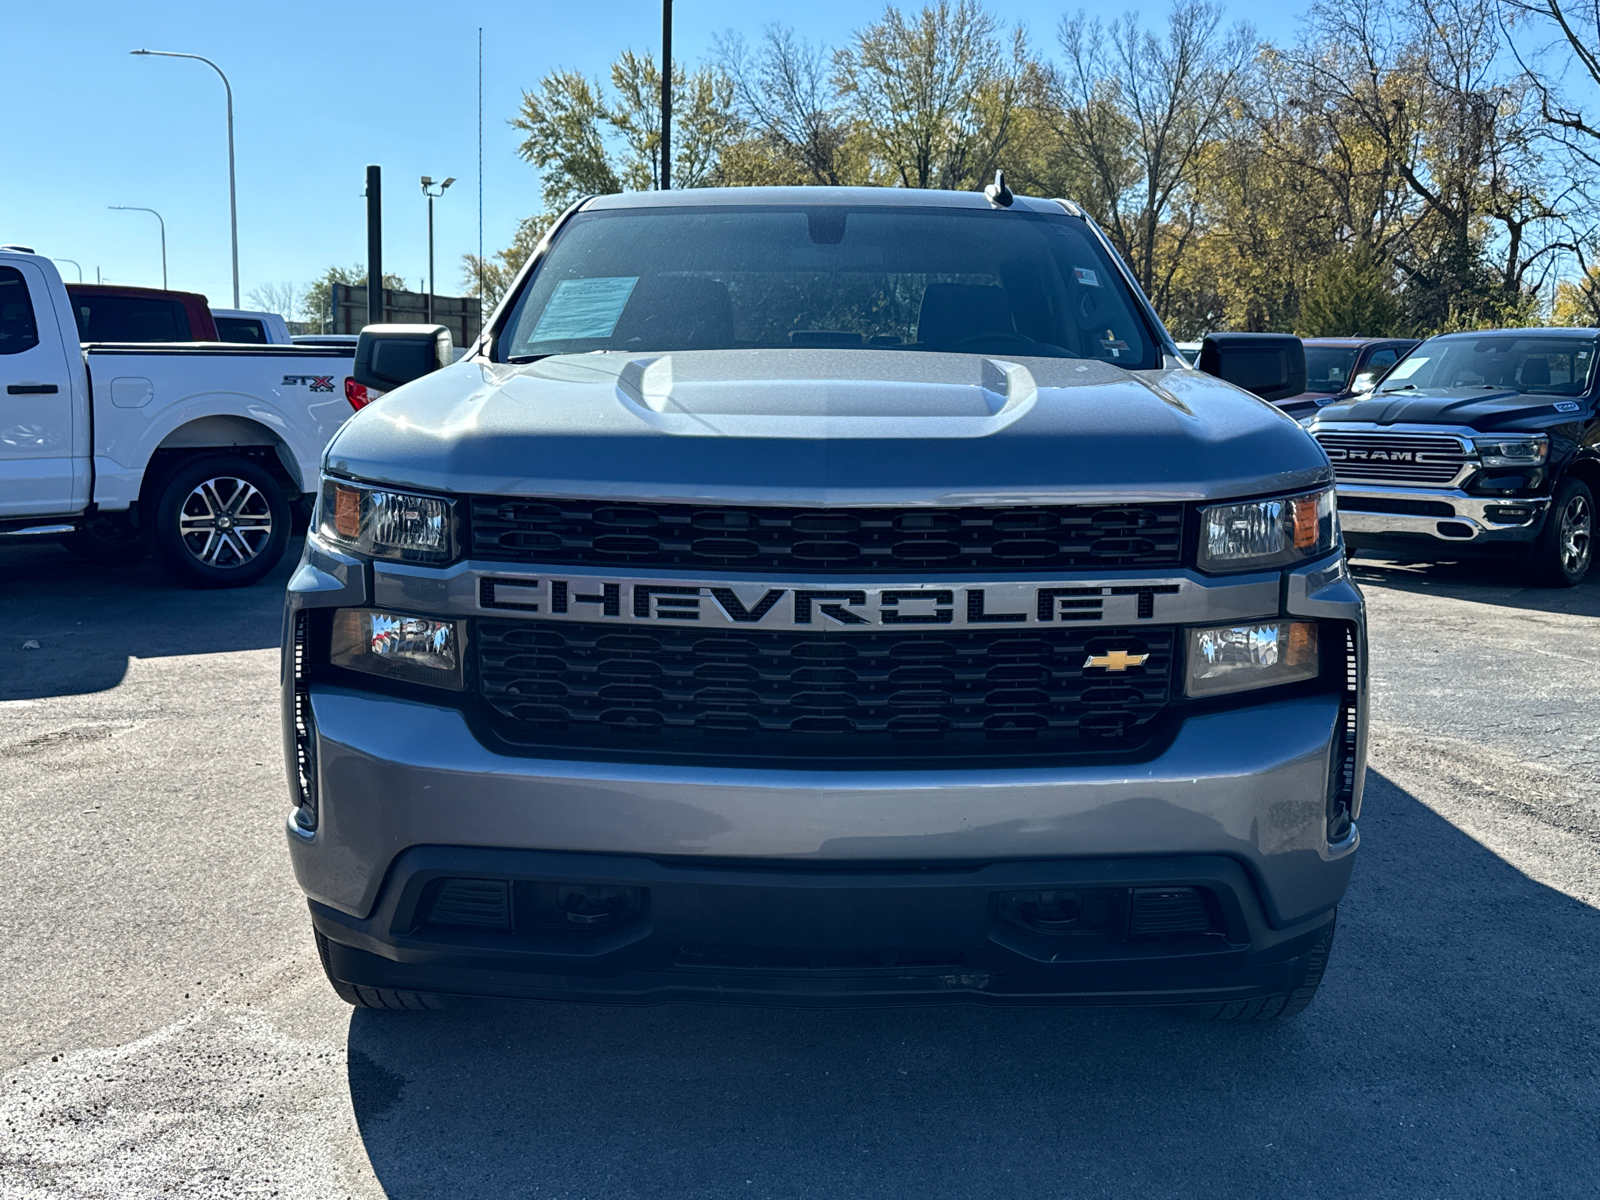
(1482, 581)
(89, 620)
(1454, 1050)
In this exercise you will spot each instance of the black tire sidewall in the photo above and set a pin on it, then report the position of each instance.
(1546, 557)
(175, 488)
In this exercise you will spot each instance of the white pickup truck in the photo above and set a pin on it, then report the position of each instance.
(198, 452)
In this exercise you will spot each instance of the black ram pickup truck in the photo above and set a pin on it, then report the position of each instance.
(1475, 444)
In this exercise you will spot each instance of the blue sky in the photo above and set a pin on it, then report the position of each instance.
(320, 90)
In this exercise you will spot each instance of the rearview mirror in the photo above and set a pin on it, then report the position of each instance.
(390, 355)
(1272, 365)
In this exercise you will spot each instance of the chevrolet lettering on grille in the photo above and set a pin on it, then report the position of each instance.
(842, 605)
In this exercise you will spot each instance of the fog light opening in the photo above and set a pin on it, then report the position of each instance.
(596, 904)
(1079, 910)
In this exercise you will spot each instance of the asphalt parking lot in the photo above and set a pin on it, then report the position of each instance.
(165, 1030)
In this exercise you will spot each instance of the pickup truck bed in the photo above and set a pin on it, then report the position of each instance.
(95, 438)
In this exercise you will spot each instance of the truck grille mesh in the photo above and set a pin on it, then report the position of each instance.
(584, 532)
(809, 697)
(1393, 457)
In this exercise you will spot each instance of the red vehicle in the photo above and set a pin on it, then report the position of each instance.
(113, 313)
(1338, 368)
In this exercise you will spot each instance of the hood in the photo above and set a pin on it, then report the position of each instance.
(827, 427)
(1478, 408)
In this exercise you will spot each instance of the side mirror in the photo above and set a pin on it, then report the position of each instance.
(1272, 365)
(390, 355)
(1364, 382)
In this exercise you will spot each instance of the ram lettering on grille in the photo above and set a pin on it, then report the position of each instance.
(1395, 458)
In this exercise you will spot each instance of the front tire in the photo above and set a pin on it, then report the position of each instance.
(1564, 549)
(221, 521)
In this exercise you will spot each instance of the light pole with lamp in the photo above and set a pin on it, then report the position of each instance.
(427, 186)
(74, 263)
(157, 216)
(233, 199)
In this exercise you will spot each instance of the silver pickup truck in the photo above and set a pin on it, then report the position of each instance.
(824, 596)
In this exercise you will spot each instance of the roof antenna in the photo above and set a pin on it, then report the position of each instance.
(999, 194)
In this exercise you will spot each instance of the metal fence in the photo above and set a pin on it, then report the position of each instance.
(461, 315)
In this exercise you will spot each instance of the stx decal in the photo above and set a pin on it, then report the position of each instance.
(316, 383)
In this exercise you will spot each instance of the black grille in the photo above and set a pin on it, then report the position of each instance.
(809, 697)
(1394, 457)
(585, 532)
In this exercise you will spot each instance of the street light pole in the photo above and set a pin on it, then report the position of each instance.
(666, 95)
(427, 186)
(74, 263)
(152, 212)
(233, 195)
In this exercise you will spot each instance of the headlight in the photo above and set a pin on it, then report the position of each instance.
(413, 649)
(1512, 450)
(385, 524)
(1267, 533)
(1234, 658)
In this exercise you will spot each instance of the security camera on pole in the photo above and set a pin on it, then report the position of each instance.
(427, 190)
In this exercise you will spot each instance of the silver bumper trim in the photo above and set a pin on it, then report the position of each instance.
(1469, 520)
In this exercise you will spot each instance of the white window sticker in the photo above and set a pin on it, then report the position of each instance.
(1086, 277)
(1407, 369)
(583, 308)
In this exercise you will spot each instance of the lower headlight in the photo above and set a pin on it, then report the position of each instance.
(412, 649)
(1235, 658)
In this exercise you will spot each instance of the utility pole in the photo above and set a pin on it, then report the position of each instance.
(427, 190)
(666, 94)
(481, 299)
(157, 216)
(374, 245)
(233, 195)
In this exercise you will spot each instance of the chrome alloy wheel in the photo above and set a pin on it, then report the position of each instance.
(225, 522)
(1577, 535)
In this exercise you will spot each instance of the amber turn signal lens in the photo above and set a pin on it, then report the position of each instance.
(1305, 522)
(347, 512)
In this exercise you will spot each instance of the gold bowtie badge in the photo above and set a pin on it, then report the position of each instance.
(1115, 660)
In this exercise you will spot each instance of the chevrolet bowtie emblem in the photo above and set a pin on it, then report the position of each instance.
(1115, 660)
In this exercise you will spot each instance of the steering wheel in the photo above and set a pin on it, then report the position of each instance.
(1014, 339)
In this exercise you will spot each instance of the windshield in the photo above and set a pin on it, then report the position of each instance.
(1328, 368)
(1535, 365)
(725, 278)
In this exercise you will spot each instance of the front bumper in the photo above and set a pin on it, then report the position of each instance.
(779, 933)
(1374, 517)
(752, 862)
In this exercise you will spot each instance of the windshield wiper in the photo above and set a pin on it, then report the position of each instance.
(1401, 388)
(522, 359)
